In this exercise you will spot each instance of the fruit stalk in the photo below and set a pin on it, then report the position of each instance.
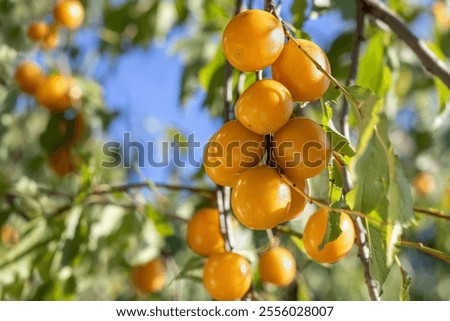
(224, 193)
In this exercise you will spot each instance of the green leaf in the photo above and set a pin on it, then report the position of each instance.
(71, 240)
(442, 90)
(193, 263)
(4, 215)
(298, 243)
(347, 8)
(366, 107)
(406, 284)
(399, 192)
(339, 54)
(370, 175)
(182, 10)
(335, 183)
(9, 102)
(339, 144)
(211, 79)
(298, 11)
(37, 236)
(372, 70)
(60, 131)
(333, 229)
(371, 181)
(162, 225)
(327, 112)
(378, 267)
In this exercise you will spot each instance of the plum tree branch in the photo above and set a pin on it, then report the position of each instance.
(10, 199)
(427, 250)
(223, 194)
(363, 249)
(358, 38)
(323, 204)
(150, 185)
(429, 60)
(431, 212)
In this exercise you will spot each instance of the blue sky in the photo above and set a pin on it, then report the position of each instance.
(144, 86)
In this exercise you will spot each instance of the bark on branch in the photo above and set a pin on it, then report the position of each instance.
(429, 60)
(363, 249)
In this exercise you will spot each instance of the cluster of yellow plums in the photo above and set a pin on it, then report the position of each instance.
(262, 198)
(56, 92)
(227, 275)
(298, 147)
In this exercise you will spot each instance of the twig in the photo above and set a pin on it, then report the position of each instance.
(135, 207)
(361, 232)
(51, 192)
(358, 37)
(176, 217)
(127, 187)
(10, 199)
(287, 231)
(223, 205)
(323, 204)
(228, 91)
(270, 6)
(223, 194)
(427, 250)
(435, 213)
(272, 239)
(429, 60)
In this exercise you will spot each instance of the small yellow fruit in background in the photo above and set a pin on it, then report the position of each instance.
(37, 31)
(29, 76)
(69, 13)
(150, 277)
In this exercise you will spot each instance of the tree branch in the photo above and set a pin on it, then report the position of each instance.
(223, 193)
(434, 213)
(10, 199)
(358, 38)
(361, 233)
(427, 250)
(323, 204)
(140, 185)
(287, 231)
(429, 60)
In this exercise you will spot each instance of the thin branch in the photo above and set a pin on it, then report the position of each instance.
(223, 205)
(361, 232)
(135, 207)
(358, 38)
(287, 231)
(10, 199)
(323, 204)
(223, 194)
(429, 60)
(427, 250)
(434, 213)
(140, 185)
(176, 217)
(228, 91)
(51, 192)
(273, 241)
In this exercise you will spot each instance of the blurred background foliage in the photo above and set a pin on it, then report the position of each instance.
(74, 243)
